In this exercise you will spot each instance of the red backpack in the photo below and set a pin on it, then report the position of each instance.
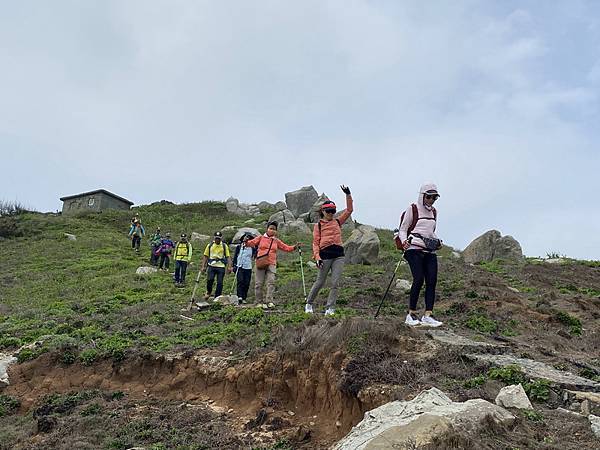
(415, 219)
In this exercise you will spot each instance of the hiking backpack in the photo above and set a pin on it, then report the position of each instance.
(411, 227)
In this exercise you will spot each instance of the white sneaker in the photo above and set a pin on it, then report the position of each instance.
(412, 320)
(308, 309)
(430, 321)
(329, 312)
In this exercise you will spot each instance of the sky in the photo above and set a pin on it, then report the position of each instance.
(496, 102)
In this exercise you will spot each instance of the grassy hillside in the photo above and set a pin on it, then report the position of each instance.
(83, 296)
(96, 322)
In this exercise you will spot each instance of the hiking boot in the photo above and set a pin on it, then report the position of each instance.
(308, 309)
(329, 312)
(430, 321)
(412, 320)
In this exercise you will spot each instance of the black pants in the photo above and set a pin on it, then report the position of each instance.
(424, 268)
(219, 272)
(243, 282)
(164, 261)
(180, 270)
(153, 256)
(135, 242)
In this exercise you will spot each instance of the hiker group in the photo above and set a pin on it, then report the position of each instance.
(415, 237)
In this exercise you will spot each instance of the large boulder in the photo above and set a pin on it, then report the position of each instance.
(300, 201)
(282, 217)
(492, 245)
(295, 226)
(314, 213)
(238, 235)
(513, 397)
(228, 233)
(362, 247)
(280, 206)
(429, 415)
(145, 270)
(241, 209)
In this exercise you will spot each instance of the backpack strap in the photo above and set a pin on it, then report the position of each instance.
(415, 219)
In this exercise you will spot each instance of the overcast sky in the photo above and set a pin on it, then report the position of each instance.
(496, 102)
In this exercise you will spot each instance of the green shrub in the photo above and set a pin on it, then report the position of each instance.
(474, 382)
(481, 323)
(509, 374)
(538, 390)
(8, 405)
(89, 356)
(572, 322)
(10, 342)
(532, 415)
(28, 354)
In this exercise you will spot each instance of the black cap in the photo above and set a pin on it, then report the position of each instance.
(218, 234)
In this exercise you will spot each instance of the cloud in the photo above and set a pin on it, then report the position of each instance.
(381, 96)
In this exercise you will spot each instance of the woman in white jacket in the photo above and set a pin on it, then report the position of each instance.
(419, 241)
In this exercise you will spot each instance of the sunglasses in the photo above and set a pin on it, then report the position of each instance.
(330, 211)
(431, 196)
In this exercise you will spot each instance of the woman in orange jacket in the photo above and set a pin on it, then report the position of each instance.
(266, 262)
(328, 251)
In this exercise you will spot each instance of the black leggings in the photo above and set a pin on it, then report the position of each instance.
(424, 268)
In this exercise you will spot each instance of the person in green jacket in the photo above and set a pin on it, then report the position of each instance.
(136, 233)
(182, 256)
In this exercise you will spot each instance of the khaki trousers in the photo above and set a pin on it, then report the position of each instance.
(260, 277)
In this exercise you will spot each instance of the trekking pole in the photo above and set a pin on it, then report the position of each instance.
(196, 283)
(302, 272)
(234, 284)
(388, 289)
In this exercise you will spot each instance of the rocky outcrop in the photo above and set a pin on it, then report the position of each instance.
(513, 397)
(492, 245)
(429, 414)
(363, 246)
(241, 209)
(301, 200)
(282, 217)
(536, 369)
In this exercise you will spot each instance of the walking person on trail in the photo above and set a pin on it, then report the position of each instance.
(328, 251)
(266, 263)
(183, 256)
(215, 262)
(136, 233)
(419, 241)
(165, 250)
(242, 266)
(155, 241)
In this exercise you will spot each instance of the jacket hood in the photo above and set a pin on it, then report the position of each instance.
(424, 188)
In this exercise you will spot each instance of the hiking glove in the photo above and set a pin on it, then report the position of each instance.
(345, 189)
(319, 263)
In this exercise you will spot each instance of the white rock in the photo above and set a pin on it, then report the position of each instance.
(456, 255)
(556, 261)
(227, 299)
(513, 397)
(428, 415)
(403, 285)
(145, 270)
(595, 423)
(510, 288)
(5, 362)
(70, 237)
(311, 264)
